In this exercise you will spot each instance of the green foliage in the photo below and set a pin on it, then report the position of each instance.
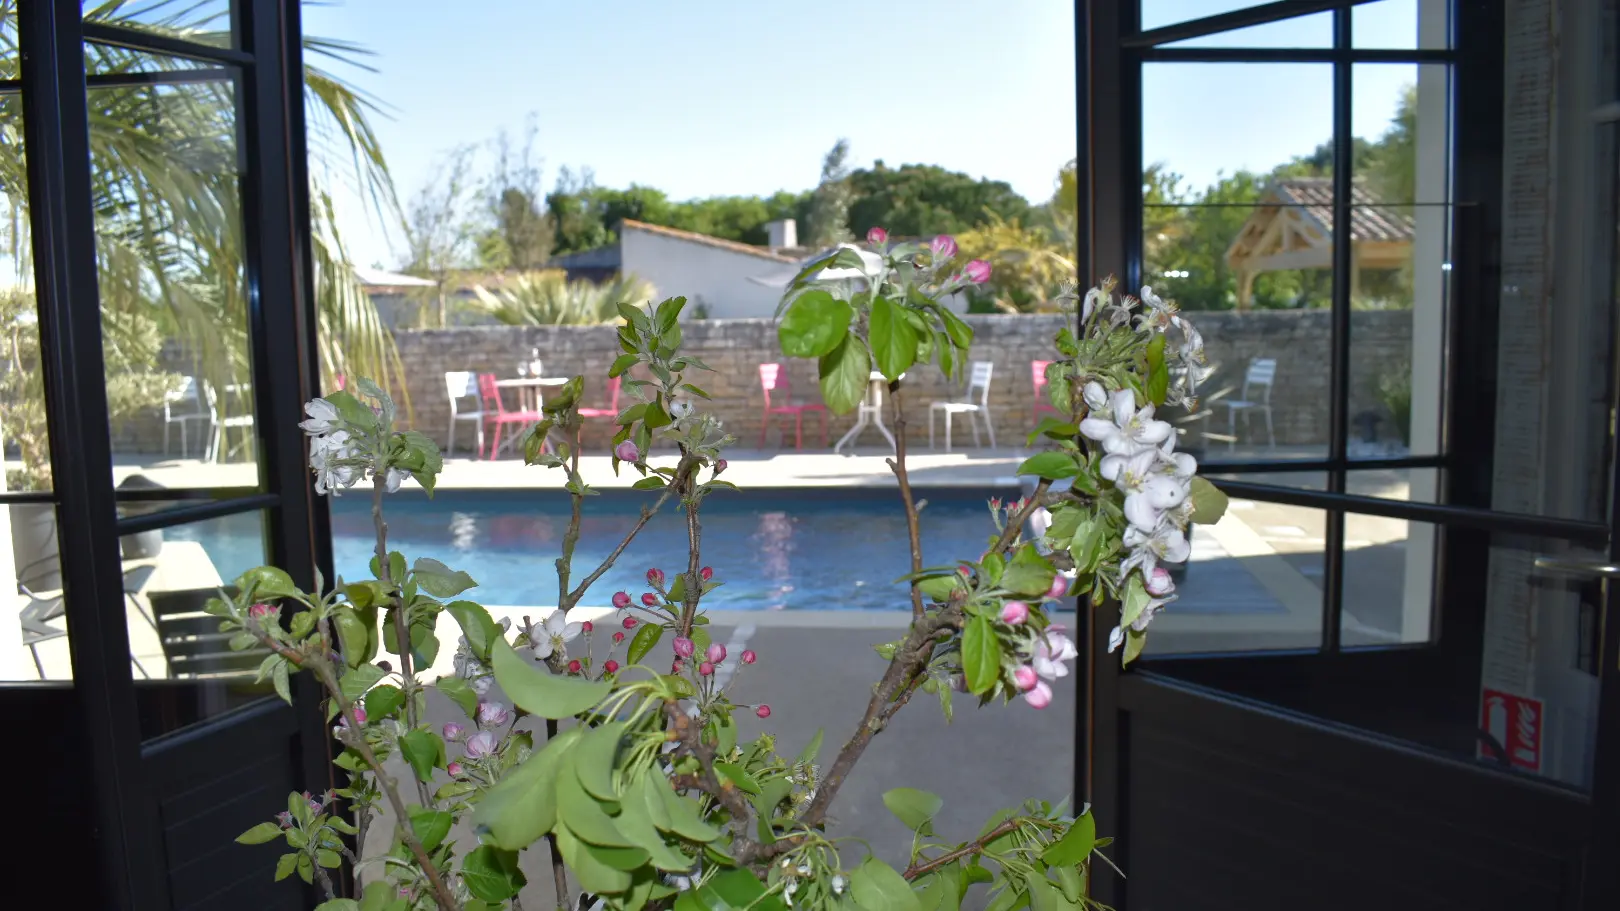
(549, 298)
(917, 200)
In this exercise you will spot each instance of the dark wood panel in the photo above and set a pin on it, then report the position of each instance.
(1232, 804)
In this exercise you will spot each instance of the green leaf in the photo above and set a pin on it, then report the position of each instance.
(539, 692)
(1054, 465)
(959, 332)
(876, 886)
(1075, 845)
(913, 807)
(266, 583)
(593, 874)
(424, 751)
(1209, 503)
(645, 639)
(492, 874)
(439, 580)
(338, 904)
(730, 890)
(1158, 373)
(381, 895)
(593, 760)
(651, 482)
(814, 324)
(981, 656)
(637, 826)
(1070, 881)
(430, 826)
(460, 693)
(682, 817)
(383, 701)
(940, 587)
(357, 682)
(894, 341)
(1053, 428)
(1134, 640)
(477, 625)
(279, 678)
(738, 776)
(583, 815)
(812, 750)
(523, 807)
(259, 834)
(328, 858)
(1043, 896)
(622, 363)
(1029, 573)
(306, 869)
(845, 371)
(285, 865)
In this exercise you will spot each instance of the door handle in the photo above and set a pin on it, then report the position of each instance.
(1575, 565)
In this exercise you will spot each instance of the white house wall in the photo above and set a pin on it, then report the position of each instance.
(712, 276)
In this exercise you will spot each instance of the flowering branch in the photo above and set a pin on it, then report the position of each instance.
(977, 846)
(913, 530)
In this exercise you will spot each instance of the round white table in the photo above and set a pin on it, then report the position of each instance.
(869, 413)
(529, 387)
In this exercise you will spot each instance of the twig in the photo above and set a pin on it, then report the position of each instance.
(690, 736)
(973, 847)
(913, 526)
(576, 499)
(646, 515)
(326, 881)
(559, 870)
(1015, 524)
(694, 538)
(402, 632)
(904, 696)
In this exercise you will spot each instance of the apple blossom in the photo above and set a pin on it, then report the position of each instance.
(716, 653)
(1060, 587)
(610, 666)
(575, 667)
(977, 271)
(1039, 696)
(586, 626)
(555, 634)
(629, 623)
(1025, 677)
(877, 236)
(655, 577)
(493, 714)
(1159, 582)
(720, 465)
(323, 417)
(452, 731)
(943, 247)
(618, 637)
(1127, 428)
(764, 711)
(706, 573)
(621, 600)
(748, 656)
(481, 744)
(454, 768)
(649, 599)
(626, 452)
(684, 647)
(1014, 612)
(705, 669)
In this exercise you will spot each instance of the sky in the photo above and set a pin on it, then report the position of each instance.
(724, 97)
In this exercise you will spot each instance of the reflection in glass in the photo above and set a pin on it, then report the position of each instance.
(1389, 578)
(33, 639)
(174, 303)
(1159, 13)
(199, 21)
(1401, 24)
(1254, 581)
(1305, 31)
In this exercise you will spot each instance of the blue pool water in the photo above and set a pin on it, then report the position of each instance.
(805, 549)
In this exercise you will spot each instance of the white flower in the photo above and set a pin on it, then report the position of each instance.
(1096, 399)
(1154, 605)
(1051, 650)
(838, 883)
(787, 894)
(1160, 313)
(681, 883)
(1130, 428)
(1093, 297)
(396, 477)
(481, 685)
(1116, 638)
(1178, 465)
(1148, 490)
(323, 417)
(679, 410)
(1165, 543)
(555, 634)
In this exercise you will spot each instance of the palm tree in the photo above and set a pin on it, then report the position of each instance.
(548, 298)
(168, 210)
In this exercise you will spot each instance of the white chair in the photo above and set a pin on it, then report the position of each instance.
(242, 395)
(462, 384)
(976, 409)
(1255, 399)
(182, 405)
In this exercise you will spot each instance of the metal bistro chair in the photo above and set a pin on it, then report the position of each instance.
(463, 384)
(773, 378)
(498, 415)
(1258, 381)
(1042, 405)
(978, 378)
(240, 394)
(182, 405)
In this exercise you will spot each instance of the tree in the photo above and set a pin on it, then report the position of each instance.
(922, 200)
(827, 221)
(520, 236)
(438, 233)
(575, 223)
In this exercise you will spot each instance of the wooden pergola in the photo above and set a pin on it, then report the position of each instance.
(1292, 228)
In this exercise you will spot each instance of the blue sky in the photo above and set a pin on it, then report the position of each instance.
(708, 97)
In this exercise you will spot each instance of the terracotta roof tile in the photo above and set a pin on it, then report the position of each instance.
(1370, 218)
(706, 240)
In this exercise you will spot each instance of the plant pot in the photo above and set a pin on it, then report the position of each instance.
(34, 547)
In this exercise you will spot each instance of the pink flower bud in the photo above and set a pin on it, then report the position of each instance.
(481, 744)
(977, 272)
(719, 466)
(1060, 587)
(1159, 583)
(655, 577)
(360, 713)
(626, 452)
(943, 247)
(705, 669)
(964, 570)
(587, 626)
(649, 599)
(452, 731)
(1039, 696)
(706, 573)
(260, 611)
(748, 656)
(763, 711)
(1025, 677)
(716, 653)
(621, 600)
(629, 623)
(493, 714)
(676, 666)
(684, 647)
(285, 818)
(1014, 612)
(574, 666)
(618, 637)
(610, 666)
(454, 768)
(877, 236)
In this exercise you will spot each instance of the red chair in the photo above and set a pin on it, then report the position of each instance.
(495, 412)
(1037, 370)
(612, 410)
(775, 379)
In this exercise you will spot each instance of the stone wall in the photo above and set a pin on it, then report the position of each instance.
(1299, 340)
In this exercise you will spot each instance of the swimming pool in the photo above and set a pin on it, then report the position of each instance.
(780, 549)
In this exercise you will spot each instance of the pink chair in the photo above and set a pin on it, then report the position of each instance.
(1037, 370)
(612, 410)
(495, 412)
(775, 379)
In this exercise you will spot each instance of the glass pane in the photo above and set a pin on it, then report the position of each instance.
(1158, 13)
(10, 57)
(24, 440)
(174, 302)
(1305, 31)
(1389, 579)
(201, 21)
(1254, 581)
(1404, 24)
(31, 585)
(184, 669)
